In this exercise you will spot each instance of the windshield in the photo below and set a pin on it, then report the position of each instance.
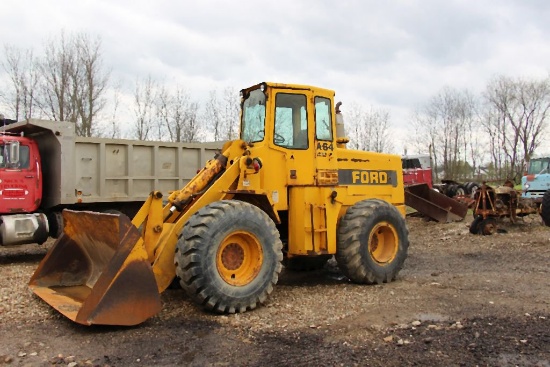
(253, 117)
(538, 166)
(21, 160)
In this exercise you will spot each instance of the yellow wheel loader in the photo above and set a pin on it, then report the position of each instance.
(287, 190)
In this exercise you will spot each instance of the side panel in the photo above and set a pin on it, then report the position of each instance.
(117, 170)
(365, 175)
(313, 216)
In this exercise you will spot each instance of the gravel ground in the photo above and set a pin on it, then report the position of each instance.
(461, 300)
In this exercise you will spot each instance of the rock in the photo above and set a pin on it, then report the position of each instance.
(416, 323)
(388, 339)
(21, 354)
(72, 364)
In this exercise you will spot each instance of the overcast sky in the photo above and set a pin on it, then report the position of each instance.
(390, 54)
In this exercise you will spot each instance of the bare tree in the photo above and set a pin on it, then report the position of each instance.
(378, 121)
(231, 113)
(442, 125)
(369, 130)
(58, 69)
(145, 101)
(90, 83)
(517, 110)
(213, 120)
(22, 71)
(73, 81)
(179, 115)
(355, 126)
(222, 116)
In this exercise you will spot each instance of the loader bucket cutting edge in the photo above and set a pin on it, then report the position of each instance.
(97, 272)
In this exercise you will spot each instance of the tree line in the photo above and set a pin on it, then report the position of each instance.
(496, 131)
(69, 81)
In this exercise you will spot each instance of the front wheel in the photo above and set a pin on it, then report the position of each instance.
(229, 256)
(372, 242)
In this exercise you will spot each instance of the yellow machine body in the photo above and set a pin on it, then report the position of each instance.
(289, 162)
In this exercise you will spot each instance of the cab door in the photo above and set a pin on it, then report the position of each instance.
(312, 212)
(326, 165)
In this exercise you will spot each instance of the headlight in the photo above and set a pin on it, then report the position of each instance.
(526, 186)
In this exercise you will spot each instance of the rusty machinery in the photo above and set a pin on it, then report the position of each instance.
(493, 203)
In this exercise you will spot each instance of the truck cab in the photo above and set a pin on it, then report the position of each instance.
(417, 169)
(536, 181)
(20, 176)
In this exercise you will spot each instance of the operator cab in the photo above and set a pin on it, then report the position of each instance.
(290, 125)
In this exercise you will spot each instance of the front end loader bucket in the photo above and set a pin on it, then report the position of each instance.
(97, 272)
(434, 204)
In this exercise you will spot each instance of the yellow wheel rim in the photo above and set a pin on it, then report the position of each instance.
(383, 243)
(239, 258)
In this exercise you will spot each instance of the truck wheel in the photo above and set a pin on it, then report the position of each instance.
(545, 208)
(306, 263)
(229, 256)
(55, 222)
(372, 242)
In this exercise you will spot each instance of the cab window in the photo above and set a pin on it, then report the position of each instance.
(290, 121)
(323, 119)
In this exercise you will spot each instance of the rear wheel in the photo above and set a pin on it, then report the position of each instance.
(545, 208)
(229, 256)
(372, 242)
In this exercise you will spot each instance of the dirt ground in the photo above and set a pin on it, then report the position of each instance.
(461, 300)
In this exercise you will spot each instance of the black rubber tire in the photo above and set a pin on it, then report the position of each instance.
(362, 227)
(460, 190)
(306, 263)
(55, 223)
(451, 190)
(474, 226)
(201, 252)
(488, 226)
(545, 208)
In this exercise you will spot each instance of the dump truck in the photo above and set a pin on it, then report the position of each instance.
(45, 168)
(287, 189)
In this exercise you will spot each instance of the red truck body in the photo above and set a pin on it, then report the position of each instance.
(417, 169)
